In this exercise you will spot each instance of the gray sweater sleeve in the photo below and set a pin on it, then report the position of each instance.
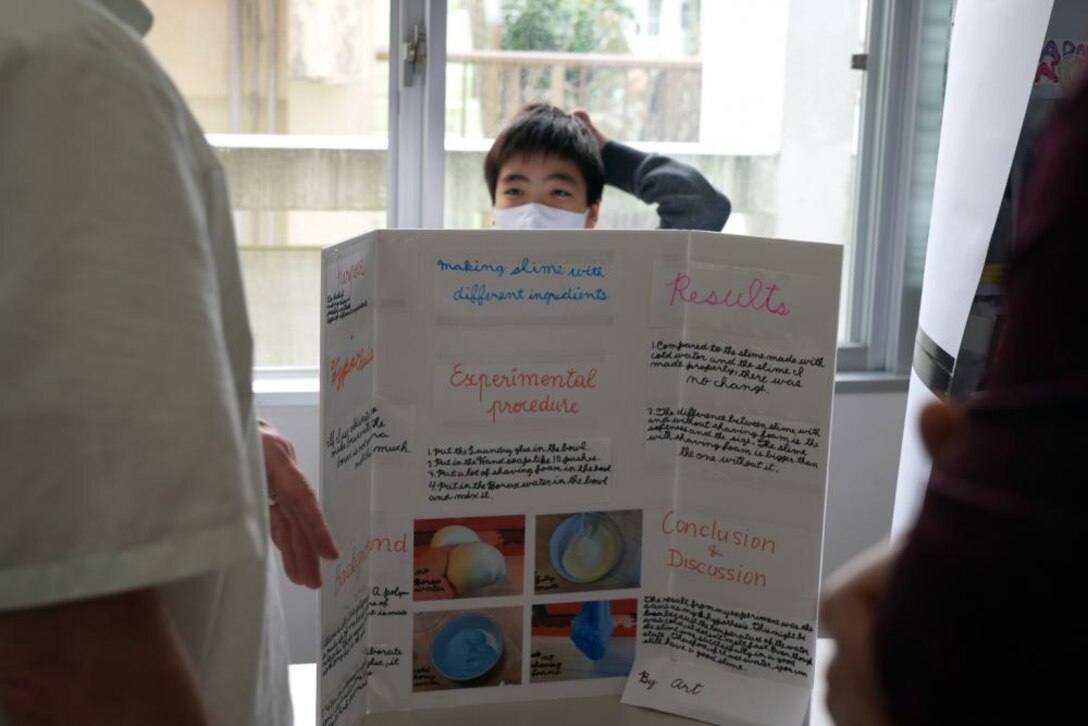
(684, 198)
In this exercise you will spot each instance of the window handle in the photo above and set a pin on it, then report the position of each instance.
(415, 54)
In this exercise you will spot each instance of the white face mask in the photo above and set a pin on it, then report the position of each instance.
(539, 216)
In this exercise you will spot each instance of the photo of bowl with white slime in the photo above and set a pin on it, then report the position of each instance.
(586, 547)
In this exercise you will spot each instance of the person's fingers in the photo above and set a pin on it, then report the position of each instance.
(837, 689)
(854, 693)
(583, 117)
(940, 423)
(849, 615)
(272, 441)
(293, 493)
(837, 611)
(276, 445)
(299, 499)
(306, 559)
(297, 526)
(278, 528)
(281, 537)
(854, 696)
(848, 611)
(863, 577)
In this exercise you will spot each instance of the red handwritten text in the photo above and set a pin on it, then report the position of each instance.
(563, 406)
(515, 378)
(346, 275)
(350, 569)
(341, 368)
(572, 378)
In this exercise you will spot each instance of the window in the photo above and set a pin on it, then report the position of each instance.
(760, 97)
(295, 95)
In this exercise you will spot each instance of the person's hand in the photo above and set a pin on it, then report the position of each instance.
(940, 422)
(583, 117)
(297, 525)
(848, 611)
(848, 607)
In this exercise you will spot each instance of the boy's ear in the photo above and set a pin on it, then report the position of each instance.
(592, 214)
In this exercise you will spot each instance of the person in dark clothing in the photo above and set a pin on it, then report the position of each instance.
(684, 197)
(548, 168)
(973, 618)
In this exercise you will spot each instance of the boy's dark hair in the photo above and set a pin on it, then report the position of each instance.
(541, 128)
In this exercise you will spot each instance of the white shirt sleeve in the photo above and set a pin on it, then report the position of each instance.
(127, 440)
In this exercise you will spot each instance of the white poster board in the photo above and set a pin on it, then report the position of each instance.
(568, 464)
(992, 59)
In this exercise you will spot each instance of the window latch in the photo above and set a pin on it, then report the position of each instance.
(415, 54)
(859, 61)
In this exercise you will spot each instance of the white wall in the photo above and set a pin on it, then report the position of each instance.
(866, 431)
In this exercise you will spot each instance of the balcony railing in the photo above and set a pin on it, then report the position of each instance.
(348, 174)
(634, 98)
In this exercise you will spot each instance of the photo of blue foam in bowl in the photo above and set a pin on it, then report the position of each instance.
(467, 647)
(586, 547)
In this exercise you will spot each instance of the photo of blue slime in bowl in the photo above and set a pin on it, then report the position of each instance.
(467, 647)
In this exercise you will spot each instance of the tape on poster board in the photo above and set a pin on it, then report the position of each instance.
(933, 364)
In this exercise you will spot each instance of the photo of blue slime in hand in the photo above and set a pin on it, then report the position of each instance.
(591, 631)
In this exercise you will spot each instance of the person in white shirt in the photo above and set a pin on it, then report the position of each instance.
(135, 580)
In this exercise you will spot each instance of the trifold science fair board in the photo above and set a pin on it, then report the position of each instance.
(574, 463)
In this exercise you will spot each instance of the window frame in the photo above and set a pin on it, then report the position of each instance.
(417, 116)
(879, 311)
(884, 165)
(901, 130)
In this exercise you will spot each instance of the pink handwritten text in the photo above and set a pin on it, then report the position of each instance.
(758, 297)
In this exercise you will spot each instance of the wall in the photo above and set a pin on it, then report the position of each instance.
(866, 433)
